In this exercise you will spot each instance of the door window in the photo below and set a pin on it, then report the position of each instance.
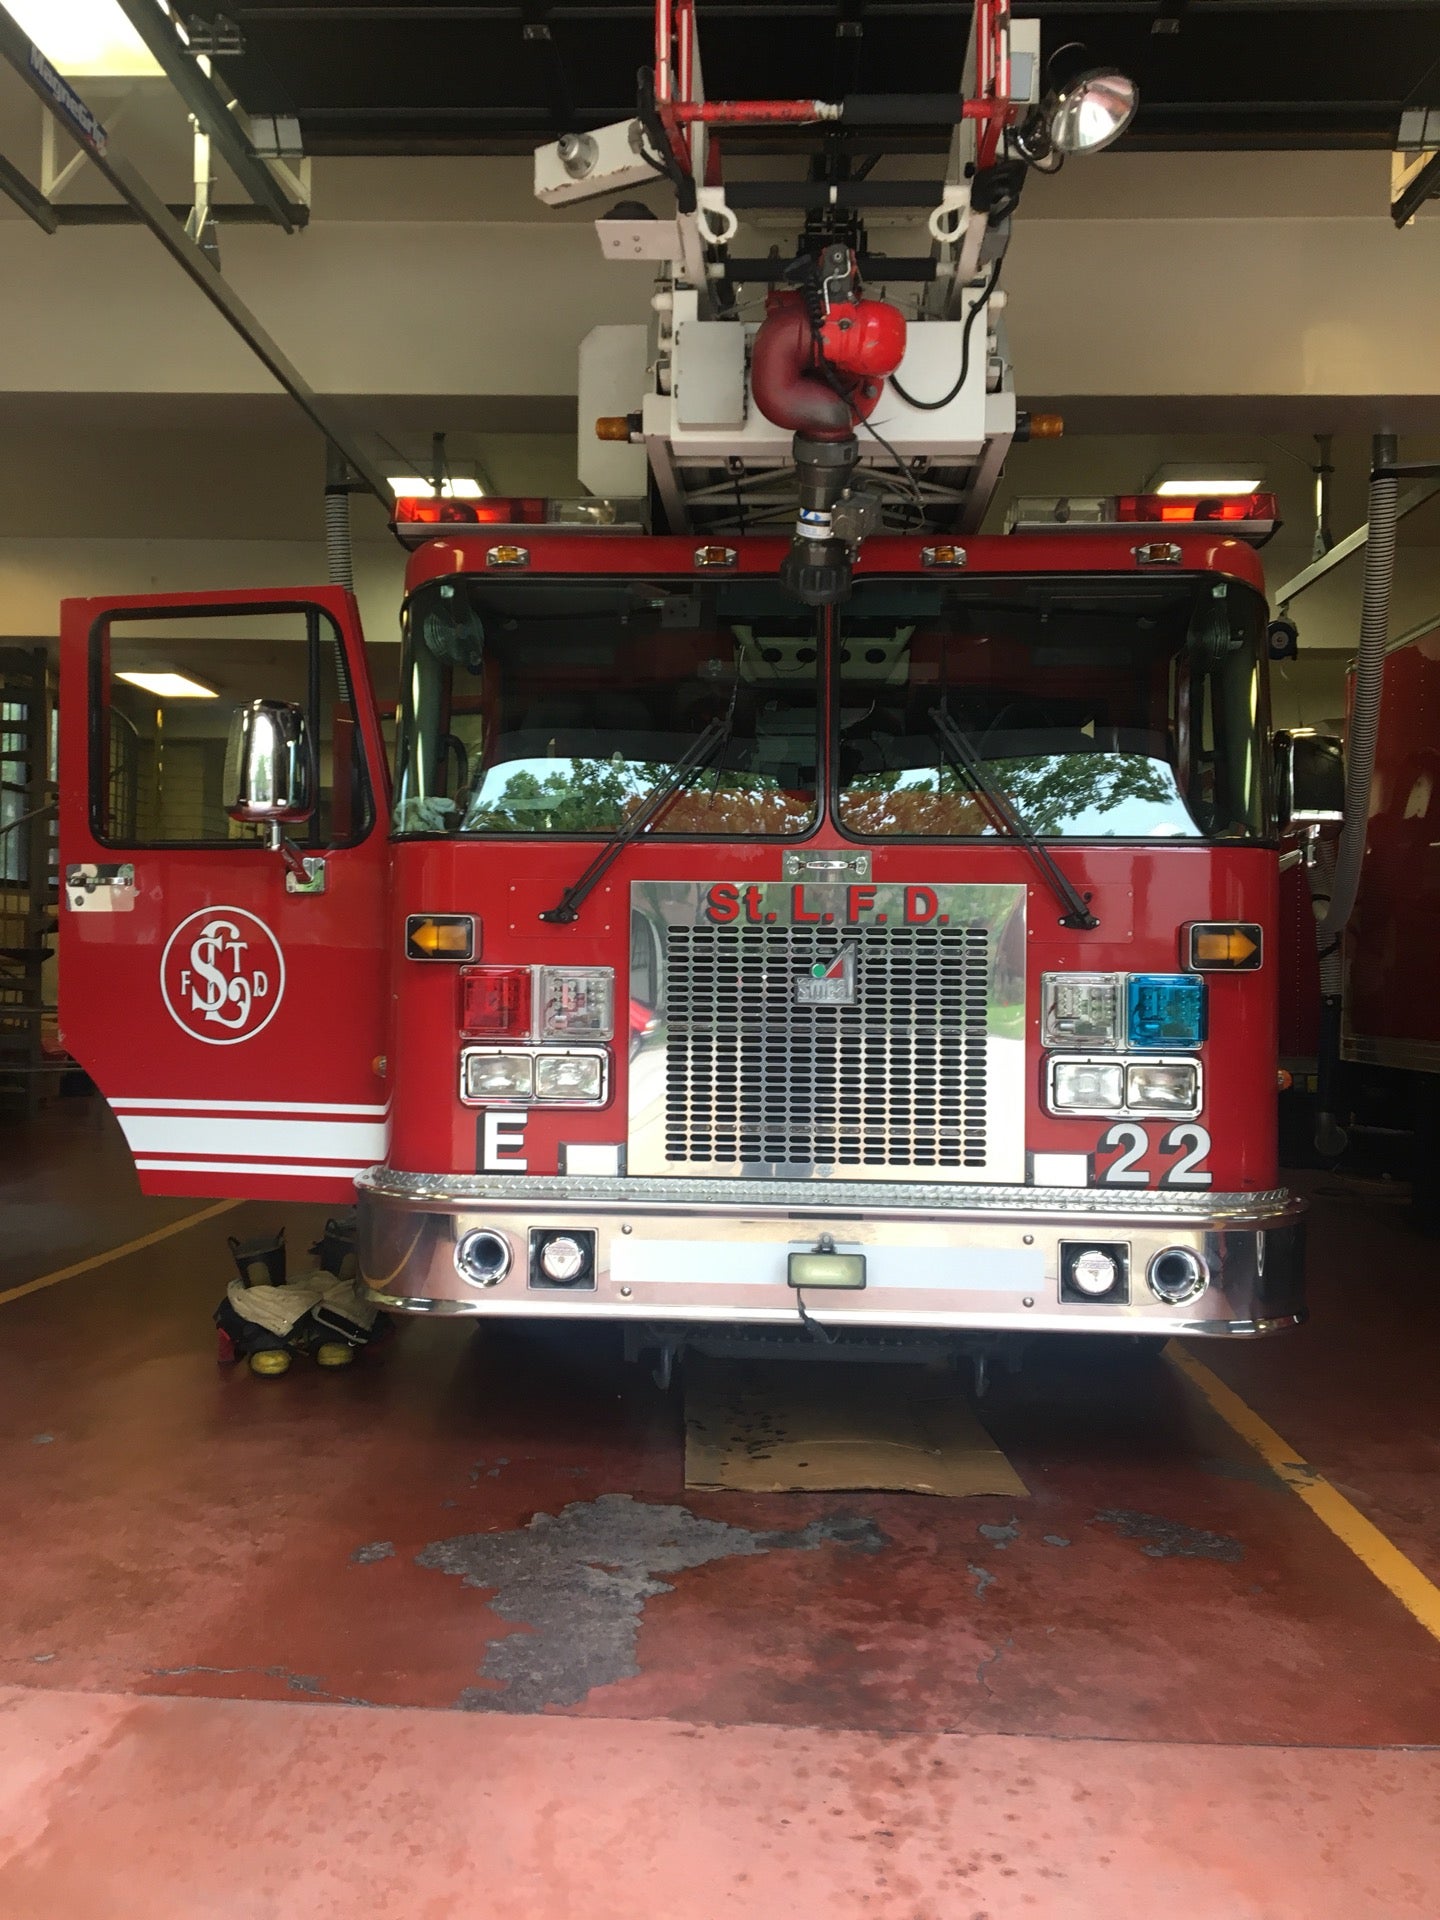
(165, 688)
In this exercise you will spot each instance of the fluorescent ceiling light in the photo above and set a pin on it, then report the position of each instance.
(87, 38)
(409, 486)
(1205, 486)
(169, 686)
(1207, 479)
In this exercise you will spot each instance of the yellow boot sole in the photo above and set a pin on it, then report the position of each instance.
(334, 1353)
(269, 1362)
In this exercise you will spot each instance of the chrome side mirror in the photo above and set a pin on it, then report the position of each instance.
(270, 766)
(1312, 780)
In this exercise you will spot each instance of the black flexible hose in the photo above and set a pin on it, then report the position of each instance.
(934, 406)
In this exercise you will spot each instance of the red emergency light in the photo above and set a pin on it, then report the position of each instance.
(1162, 509)
(494, 1003)
(422, 510)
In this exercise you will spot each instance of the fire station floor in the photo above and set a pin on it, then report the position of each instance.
(302, 1647)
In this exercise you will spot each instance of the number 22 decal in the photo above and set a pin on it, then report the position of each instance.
(1192, 1143)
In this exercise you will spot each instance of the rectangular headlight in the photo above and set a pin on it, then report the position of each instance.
(496, 1076)
(1087, 1086)
(1079, 1010)
(1164, 1011)
(577, 1003)
(569, 1076)
(1163, 1086)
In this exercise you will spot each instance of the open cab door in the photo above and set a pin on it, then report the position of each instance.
(225, 993)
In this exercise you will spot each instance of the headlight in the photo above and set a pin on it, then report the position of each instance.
(1164, 1011)
(1080, 1010)
(498, 1076)
(569, 1076)
(1087, 1086)
(577, 1003)
(1163, 1086)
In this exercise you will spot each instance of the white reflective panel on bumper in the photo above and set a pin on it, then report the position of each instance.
(704, 1263)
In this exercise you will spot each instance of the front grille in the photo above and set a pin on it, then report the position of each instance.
(896, 1080)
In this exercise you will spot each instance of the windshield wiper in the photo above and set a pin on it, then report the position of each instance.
(964, 758)
(686, 771)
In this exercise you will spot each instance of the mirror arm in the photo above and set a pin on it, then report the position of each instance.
(276, 841)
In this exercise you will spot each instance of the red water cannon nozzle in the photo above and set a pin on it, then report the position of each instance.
(819, 366)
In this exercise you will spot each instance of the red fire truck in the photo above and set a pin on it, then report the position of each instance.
(780, 904)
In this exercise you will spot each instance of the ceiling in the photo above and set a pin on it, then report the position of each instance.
(475, 76)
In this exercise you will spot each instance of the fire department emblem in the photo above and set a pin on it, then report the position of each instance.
(222, 975)
(829, 983)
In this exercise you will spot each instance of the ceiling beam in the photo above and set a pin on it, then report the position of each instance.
(208, 104)
(29, 199)
(61, 100)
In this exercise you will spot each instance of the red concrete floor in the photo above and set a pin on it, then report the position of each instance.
(302, 1646)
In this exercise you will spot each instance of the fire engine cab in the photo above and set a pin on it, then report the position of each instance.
(781, 904)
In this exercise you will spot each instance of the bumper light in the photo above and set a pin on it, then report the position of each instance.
(1087, 1086)
(498, 1076)
(1094, 1272)
(1080, 1010)
(559, 1259)
(1177, 1274)
(569, 1076)
(1163, 1086)
(1164, 1010)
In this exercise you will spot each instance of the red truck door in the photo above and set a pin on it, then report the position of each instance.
(231, 1011)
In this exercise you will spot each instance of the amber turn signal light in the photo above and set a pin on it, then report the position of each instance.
(1222, 946)
(440, 936)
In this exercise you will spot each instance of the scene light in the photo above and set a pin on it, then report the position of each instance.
(89, 39)
(169, 686)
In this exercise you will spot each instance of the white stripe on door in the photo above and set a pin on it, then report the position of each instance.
(360, 1141)
(283, 1171)
(238, 1106)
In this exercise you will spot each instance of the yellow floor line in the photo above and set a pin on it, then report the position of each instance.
(119, 1253)
(1384, 1559)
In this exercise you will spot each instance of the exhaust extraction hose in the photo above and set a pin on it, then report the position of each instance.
(339, 558)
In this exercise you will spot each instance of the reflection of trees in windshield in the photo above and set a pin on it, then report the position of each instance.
(1049, 793)
(599, 796)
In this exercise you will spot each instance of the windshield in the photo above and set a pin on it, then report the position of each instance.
(1115, 708)
(1098, 707)
(554, 706)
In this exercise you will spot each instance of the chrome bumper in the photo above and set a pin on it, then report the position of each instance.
(940, 1257)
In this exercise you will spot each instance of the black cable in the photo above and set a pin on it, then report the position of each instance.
(904, 471)
(934, 406)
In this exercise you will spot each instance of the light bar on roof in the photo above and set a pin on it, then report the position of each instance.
(418, 518)
(1252, 517)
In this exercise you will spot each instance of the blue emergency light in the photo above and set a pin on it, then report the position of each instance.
(1164, 1011)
